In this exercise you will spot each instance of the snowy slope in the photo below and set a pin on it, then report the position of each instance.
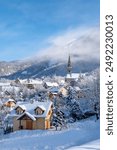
(75, 135)
(94, 145)
(46, 68)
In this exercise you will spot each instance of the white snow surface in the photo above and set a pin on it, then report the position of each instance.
(83, 135)
(52, 84)
(30, 107)
(94, 145)
(73, 75)
(4, 84)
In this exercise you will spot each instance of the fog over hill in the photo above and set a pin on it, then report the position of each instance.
(81, 43)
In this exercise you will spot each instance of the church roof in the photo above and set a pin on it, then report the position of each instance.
(73, 76)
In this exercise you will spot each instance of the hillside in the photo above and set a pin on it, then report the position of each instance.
(30, 69)
(7, 68)
(75, 135)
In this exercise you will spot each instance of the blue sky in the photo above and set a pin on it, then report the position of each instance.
(26, 25)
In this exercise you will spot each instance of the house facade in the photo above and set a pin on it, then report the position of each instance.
(56, 92)
(31, 116)
(10, 103)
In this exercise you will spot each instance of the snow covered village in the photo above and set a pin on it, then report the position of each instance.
(50, 75)
(49, 103)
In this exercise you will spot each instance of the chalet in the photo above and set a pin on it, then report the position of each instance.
(10, 103)
(30, 116)
(63, 91)
(29, 83)
(54, 91)
(50, 84)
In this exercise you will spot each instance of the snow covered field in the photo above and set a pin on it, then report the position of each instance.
(83, 135)
(94, 145)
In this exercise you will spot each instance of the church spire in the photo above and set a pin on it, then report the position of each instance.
(69, 66)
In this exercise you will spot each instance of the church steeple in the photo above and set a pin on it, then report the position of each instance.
(69, 66)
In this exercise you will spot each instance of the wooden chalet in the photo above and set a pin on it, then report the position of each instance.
(31, 116)
(10, 103)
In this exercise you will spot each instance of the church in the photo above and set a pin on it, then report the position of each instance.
(71, 76)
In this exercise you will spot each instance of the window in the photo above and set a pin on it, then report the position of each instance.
(38, 111)
(19, 111)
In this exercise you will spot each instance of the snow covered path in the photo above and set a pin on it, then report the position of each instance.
(77, 134)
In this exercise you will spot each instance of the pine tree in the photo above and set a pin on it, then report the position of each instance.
(73, 105)
(76, 112)
(58, 119)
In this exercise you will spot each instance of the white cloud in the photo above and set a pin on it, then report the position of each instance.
(81, 42)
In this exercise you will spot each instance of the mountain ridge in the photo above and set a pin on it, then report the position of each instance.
(38, 69)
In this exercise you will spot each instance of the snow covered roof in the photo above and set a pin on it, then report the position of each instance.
(54, 89)
(73, 76)
(28, 114)
(11, 100)
(42, 107)
(50, 84)
(31, 81)
(6, 100)
(30, 107)
(21, 106)
(77, 88)
(62, 82)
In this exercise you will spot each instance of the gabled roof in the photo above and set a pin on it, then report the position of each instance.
(27, 114)
(11, 100)
(30, 107)
(41, 107)
(21, 106)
